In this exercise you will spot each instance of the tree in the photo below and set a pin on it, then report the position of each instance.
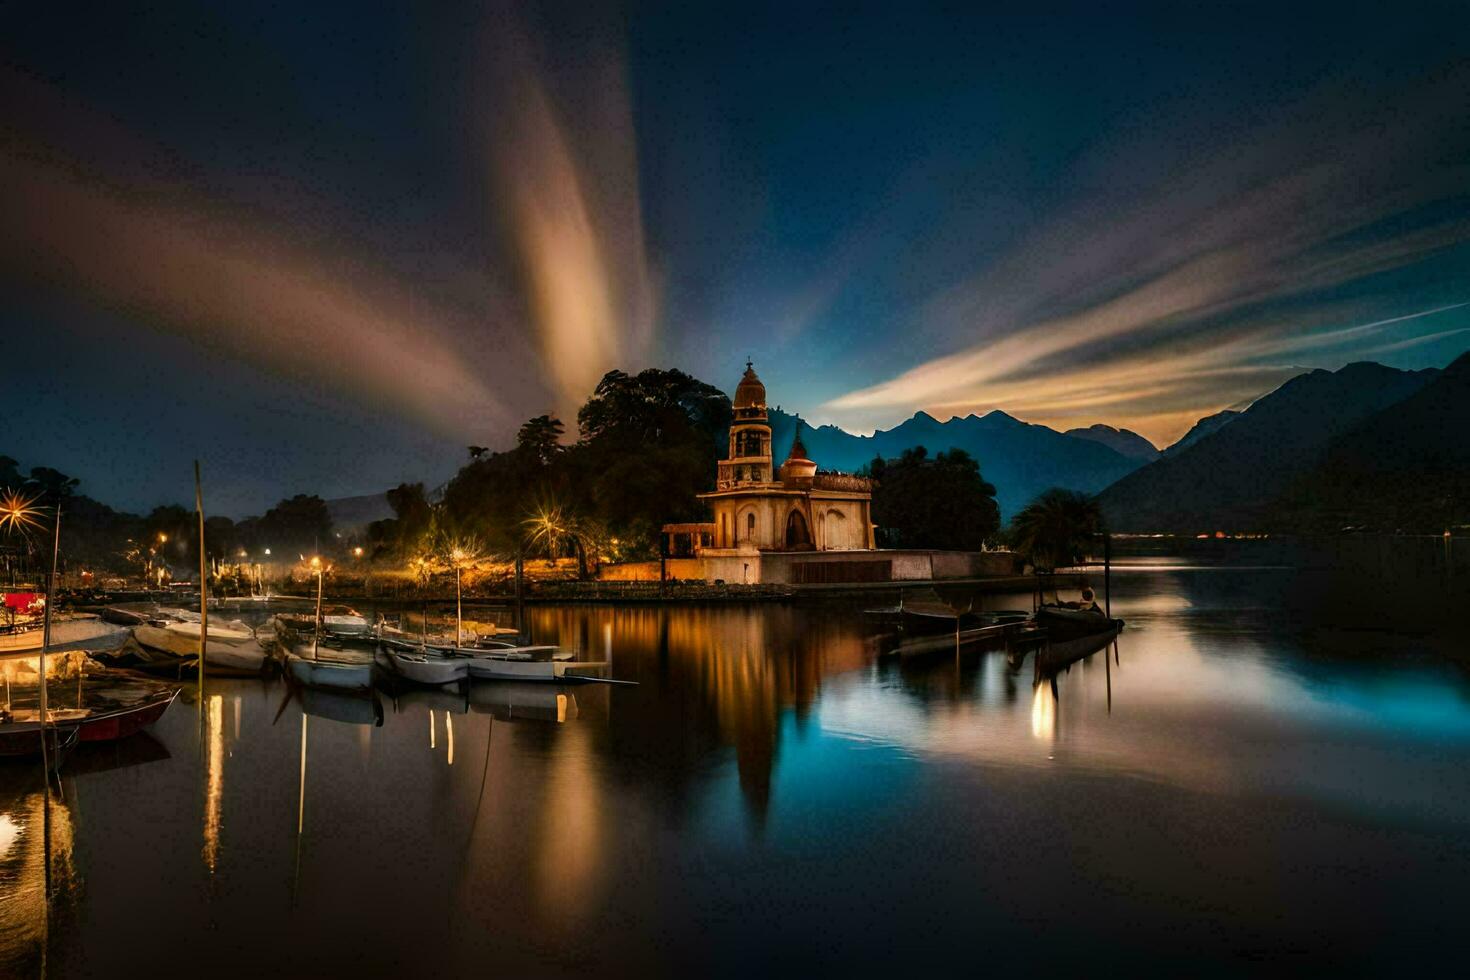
(540, 438)
(941, 502)
(477, 451)
(1056, 529)
(300, 524)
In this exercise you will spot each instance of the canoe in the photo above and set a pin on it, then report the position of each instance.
(425, 667)
(329, 672)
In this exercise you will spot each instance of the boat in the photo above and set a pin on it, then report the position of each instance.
(349, 709)
(66, 629)
(113, 706)
(534, 663)
(124, 617)
(232, 646)
(1065, 623)
(424, 666)
(337, 671)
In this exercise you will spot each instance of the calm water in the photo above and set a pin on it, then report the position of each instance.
(1245, 785)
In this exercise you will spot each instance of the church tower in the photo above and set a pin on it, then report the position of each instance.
(749, 460)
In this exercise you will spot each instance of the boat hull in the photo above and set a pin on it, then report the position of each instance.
(63, 633)
(426, 669)
(1071, 624)
(228, 654)
(333, 674)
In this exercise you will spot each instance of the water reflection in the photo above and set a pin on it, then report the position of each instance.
(748, 787)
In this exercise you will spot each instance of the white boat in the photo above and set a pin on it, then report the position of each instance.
(533, 663)
(425, 667)
(228, 649)
(340, 673)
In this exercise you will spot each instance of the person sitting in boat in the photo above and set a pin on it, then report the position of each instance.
(1088, 602)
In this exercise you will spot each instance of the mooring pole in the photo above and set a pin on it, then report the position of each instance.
(46, 645)
(1108, 574)
(203, 584)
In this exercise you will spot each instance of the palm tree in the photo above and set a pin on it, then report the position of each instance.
(1056, 529)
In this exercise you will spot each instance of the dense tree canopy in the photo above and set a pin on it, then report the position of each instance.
(938, 502)
(1057, 528)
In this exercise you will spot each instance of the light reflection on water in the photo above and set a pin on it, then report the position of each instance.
(1240, 778)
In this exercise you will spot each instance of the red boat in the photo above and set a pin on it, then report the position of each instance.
(109, 712)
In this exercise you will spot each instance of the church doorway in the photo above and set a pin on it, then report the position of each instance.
(798, 535)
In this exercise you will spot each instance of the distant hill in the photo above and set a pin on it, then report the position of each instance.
(1232, 478)
(1124, 441)
(1202, 428)
(1404, 468)
(353, 514)
(1021, 459)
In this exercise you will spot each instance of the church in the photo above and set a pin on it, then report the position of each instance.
(757, 508)
(792, 524)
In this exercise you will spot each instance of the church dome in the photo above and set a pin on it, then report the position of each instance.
(750, 393)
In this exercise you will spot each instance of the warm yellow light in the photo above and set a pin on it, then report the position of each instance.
(17, 512)
(316, 563)
(162, 537)
(357, 552)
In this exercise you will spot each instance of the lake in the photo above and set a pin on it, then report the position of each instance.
(1249, 780)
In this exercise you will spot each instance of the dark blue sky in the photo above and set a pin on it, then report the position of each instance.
(324, 247)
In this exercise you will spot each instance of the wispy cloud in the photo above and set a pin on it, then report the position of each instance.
(1149, 301)
(240, 288)
(567, 179)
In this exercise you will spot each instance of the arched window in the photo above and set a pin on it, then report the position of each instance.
(750, 526)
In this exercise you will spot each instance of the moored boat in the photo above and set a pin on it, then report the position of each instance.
(424, 667)
(1063, 622)
(337, 670)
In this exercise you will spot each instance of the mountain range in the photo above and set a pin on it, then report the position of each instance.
(1367, 444)
(1019, 458)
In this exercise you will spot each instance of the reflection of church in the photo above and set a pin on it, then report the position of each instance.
(796, 509)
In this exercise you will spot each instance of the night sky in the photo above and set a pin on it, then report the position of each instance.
(323, 247)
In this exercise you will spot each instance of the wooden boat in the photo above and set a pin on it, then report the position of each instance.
(112, 708)
(424, 667)
(1064, 623)
(537, 663)
(336, 670)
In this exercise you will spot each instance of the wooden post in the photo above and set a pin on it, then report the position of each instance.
(1108, 574)
(458, 610)
(46, 648)
(203, 584)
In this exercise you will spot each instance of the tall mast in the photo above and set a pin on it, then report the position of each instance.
(203, 581)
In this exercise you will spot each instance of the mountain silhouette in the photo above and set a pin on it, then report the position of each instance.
(1019, 458)
(1405, 468)
(1233, 478)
